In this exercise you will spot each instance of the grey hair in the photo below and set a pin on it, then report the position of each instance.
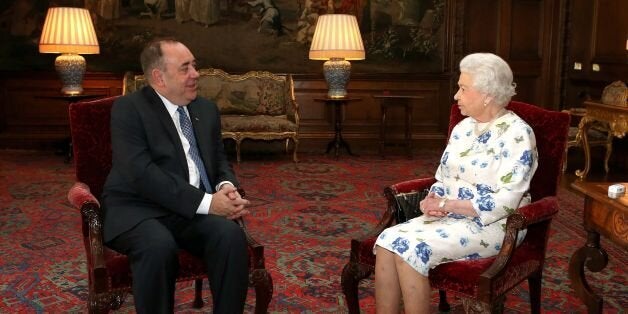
(491, 75)
(152, 56)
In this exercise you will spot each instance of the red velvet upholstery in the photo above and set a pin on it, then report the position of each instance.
(486, 280)
(109, 272)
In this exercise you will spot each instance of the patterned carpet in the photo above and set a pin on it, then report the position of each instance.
(303, 213)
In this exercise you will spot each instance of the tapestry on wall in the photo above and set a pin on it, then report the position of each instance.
(400, 36)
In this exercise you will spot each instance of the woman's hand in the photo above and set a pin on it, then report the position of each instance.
(430, 206)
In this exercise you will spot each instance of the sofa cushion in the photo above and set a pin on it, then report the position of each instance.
(244, 94)
(259, 123)
(251, 93)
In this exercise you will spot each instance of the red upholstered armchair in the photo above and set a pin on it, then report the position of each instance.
(483, 283)
(109, 272)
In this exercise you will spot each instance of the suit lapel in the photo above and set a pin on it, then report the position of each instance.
(166, 120)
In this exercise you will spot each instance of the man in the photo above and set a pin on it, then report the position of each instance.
(171, 186)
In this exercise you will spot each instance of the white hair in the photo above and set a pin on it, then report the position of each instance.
(491, 75)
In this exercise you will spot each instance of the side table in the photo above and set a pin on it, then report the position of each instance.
(405, 101)
(67, 146)
(338, 141)
(601, 216)
(615, 116)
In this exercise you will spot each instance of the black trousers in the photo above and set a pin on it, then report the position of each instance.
(152, 247)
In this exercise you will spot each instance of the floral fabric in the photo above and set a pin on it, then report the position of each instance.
(491, 165)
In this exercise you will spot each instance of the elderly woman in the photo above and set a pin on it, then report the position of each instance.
(483, 176)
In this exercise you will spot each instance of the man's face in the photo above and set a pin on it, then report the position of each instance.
(179, 77)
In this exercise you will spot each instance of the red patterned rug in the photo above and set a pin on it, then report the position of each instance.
(304, 214)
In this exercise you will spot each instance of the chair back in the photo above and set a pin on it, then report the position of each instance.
(551, 129)
(91, 141)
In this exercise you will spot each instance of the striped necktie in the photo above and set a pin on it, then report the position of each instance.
(186, 128)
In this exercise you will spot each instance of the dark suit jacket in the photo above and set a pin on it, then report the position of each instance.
(149, 173)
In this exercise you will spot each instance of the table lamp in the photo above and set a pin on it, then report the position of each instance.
(70, 32)
(337, 39)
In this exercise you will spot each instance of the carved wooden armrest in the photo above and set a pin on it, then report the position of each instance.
(81, 198)
(533, 213)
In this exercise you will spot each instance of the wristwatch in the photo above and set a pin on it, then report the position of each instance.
(442, 202)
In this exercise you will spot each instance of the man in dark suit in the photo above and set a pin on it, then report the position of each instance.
(171, 186)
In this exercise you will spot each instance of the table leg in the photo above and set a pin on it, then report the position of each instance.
(595, 259)
(338, 141)
(583, 127)
(382, 130)
(408, 135)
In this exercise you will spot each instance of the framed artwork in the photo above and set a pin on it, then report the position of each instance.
(400, 36)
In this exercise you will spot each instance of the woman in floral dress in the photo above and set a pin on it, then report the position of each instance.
(484, 176)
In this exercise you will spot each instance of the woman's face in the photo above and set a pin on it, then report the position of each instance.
(470, 100)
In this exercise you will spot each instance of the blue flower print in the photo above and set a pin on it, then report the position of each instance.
(484, 137)
(461, 169)
(473, 256)
(464, 242)
(483, 189)
(400, 245)
(438, 190)
(501, 144)
(423, 251)
(486, 203)
(498, 247)
(484, 164)
(465, 193)
(526, 158)
(443, 159)
(478, 222)
(505, 153)
(456, 216)
(442, 233)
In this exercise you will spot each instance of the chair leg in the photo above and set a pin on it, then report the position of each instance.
(609, 150)
(352, 273)
(238, 141)
(198, 293)
(263, 283)
(294, 153)
(534, 285)
(443, 305)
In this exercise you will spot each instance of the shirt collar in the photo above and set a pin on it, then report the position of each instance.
(172, 108)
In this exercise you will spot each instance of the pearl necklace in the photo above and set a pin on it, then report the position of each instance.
(481, 127)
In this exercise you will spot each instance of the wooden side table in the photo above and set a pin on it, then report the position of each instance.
(601, 215)
(405, 101)
(615, 116)
(338, 141)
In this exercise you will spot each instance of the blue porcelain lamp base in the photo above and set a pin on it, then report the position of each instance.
(337, 72)
(71, 68)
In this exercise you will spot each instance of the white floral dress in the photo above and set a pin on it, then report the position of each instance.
(493, 169)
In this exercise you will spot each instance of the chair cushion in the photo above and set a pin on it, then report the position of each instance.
(463, 276)
(190, 268)
(119, 270)
(260, 123)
